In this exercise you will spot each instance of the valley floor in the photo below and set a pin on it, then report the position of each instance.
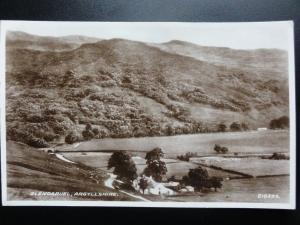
(81, 168)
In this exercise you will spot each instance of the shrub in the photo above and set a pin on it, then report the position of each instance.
(217, 148)
(58, 128)
(235, 126)
(214, 182)
(222, 127)
(37, 143)
(183, 158)
(88, 134)
(71, 138)
(280, 123)
(95, 131)
(187, 156)
(49, 136)
(279, 156)
(224, 149)
(244, 126)
(220, 149)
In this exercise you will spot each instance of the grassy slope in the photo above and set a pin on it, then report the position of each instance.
(32, 170)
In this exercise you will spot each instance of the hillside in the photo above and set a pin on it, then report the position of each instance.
(30, 170)
(126, 88)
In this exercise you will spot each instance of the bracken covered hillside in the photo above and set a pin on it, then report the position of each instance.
(125, 88)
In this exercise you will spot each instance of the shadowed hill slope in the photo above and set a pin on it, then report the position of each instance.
(30, 170)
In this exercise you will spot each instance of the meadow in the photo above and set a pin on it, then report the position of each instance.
(269, 176)
(269, 141)
(254, 166)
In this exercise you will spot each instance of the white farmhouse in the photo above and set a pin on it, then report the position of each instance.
(262, 128)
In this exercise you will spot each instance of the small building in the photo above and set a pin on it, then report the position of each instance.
(262, 128)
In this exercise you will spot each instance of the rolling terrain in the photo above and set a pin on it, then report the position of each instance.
(33, 171)
(126, 88)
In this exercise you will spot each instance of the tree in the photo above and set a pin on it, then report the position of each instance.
(155, 167)
(154, 154)
(169, 130)
(197, 178)
(217, 148)
(143, 184)
(244, 126)
(235, 126)
(274, 124)
(224, 149)
(214, 182)
(220, 149)
(37, 142)
(280, 123)
(222, 127)
(284, 122)
(88, 134)
(71, 138)
(123, 165)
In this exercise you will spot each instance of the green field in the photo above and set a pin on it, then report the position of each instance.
(252, 166)
(248, 144)
(242, 142)
(269, 141)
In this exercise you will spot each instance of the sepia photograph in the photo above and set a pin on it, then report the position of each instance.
(148, 114)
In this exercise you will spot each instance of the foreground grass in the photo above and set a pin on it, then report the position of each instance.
(243, 190)
(30, 170)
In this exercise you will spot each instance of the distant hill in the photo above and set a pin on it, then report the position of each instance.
(18, 39)
(263, 62)
(127, 88)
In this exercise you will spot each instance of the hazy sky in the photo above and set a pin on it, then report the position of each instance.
(233, 35)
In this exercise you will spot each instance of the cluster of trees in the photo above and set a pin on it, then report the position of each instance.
(220, 149)
(125, 169)
(124, 166)
(120, 115)
(186, 157)
(280, 123)
(199, 179)
(27, 138)
(235, 126)
(155, 166)
(277, 156)
(87, 134)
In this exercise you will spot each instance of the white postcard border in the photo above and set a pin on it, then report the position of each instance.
(4, 26)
